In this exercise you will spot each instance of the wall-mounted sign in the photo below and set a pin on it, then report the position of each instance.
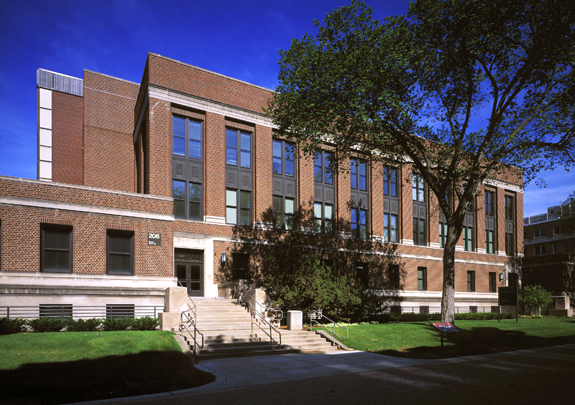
(154, 239)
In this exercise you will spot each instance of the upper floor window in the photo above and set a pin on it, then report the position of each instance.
(187, 199)
(390, 227)
(509, 214)
(557, 229)
(358, 174)
(283, 212)
(539, 233)
(509, 225)
(238, 148)
(359, 223)
(238, 207)
(190, 130)
(56, 248)
(323, 218)
(418, 187)
(490, 222)
(283, 158)
(390, 181)
(323, 167)
(540, 250)
(489, 203)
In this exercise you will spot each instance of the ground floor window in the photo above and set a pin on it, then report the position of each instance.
(422, 278)
(120, 247)
(120, 310)
(56, 248)
(470, 281)
(55, 311)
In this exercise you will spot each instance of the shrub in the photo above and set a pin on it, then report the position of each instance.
(47, 324)
(119, 323)
(11, 325)
(535, 297)
(83, 325)
(146, 323)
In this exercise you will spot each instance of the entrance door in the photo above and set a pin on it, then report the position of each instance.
(189, 269)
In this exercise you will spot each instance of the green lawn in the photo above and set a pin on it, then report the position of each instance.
(420, 340)
(55, 368)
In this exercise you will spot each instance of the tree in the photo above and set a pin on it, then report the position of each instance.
(535, 298)
(464, 91)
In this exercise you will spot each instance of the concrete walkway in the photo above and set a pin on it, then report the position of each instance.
(537, 376)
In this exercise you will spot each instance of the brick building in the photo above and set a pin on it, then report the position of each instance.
(142, 184)
(549, 248)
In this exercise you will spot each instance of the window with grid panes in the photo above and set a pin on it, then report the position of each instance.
(284, 184)
(359, 198)
(324, 192)
(238, 207)
(390, 205)
(490, 222)
(422, 278)
(419, 211)
(120, 247)
(470, 281)
(239, 176)
(56, 248)
(468, 232)
(509, 207)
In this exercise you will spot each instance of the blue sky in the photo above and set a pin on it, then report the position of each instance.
(240, 39)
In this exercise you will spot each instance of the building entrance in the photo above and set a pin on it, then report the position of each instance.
(189, 269)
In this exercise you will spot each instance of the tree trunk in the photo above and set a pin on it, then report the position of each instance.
(448, 296)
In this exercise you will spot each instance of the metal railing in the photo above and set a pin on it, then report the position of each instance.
(257, 316)
(193, 306)
(190, 322)
(437, 309)
(80, 311)
(315, 316)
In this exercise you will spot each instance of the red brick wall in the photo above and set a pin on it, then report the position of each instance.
(262, 171)
(109, 160)
(215, 166)
(67, 134)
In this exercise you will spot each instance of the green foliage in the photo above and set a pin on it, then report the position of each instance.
(48, 324)
(463, 91)
(146, 323)
(535, 297)
(111, 324)
(83, 325)
(11, 325)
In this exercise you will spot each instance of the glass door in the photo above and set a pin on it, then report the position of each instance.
(189, 270)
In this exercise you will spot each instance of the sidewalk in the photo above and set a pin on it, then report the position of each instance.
(536, 376)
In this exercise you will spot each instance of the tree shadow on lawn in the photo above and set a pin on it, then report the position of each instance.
(476, 341)
(108, 377)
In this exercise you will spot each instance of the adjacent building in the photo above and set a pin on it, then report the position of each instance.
(144, 185)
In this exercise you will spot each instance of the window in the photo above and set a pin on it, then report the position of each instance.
(238, 148)
(323, 168)
(560, 247)
(470, 281)
(473, 309)
(419, 211)
(540, 250)
(539, 233)
(187, 204)
(55, 311)
(120, 310)
(490, 222)
(241, 269)
(358, 174)
(422, 278)
(390, 228)
(243, 200)
(362, 274)
(358, 223)
(509, 225)
(283, 158)
(424, 309)
(442, 234)
(283, 212)
(394, 280)
(56, 248)
(557, 229)
(468, 238)
(184, 128)
(492, 282)
(390, 181)
(120, 247)
(323, 218)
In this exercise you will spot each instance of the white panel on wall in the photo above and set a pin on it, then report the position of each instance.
(45, 153)
(46, 170)
(46, 99)
(45, 137)
(45, 118)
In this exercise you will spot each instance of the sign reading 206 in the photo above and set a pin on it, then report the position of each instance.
(154, 239)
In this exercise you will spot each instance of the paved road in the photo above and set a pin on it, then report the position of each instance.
(538, 376)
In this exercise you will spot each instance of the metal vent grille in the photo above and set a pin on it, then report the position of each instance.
(59, 82)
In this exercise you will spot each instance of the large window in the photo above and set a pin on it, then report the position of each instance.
(390, 181)
(490, 222)
(540, 250)
(56, 248)
(359, 223)
(442, 234)
(120, 247)
(358, 174)
(238, 148)
(238, 207)
(359, 198)
(390, 205)
(419, 211)
(323, 218)
(470, 281)
(509, 225)
(283, 212)
(283, 158)
(323, 168)
(187, 200)
(468, 233)
(184, 128)
(422, 278)
(390, 233)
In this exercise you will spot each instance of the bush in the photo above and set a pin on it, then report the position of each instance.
(48, 324)
(83, 325)
(11, 325)
(147, 323)
(535, 297)
(119, 323)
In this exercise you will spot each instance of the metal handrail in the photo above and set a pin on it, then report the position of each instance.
(79, 311)
(255, 313)
(196, 330)
(193, 310)
(319, 315)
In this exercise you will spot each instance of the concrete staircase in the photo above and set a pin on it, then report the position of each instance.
(226, 327)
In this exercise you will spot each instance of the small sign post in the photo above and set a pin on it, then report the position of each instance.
(509, 296)
(154, 239)
(444, 327)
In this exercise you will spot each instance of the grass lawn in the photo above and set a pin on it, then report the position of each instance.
(60, 368)
(420, 340)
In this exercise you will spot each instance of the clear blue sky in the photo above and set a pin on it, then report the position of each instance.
(240, 39)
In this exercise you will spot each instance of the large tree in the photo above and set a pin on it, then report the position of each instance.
(464, 91)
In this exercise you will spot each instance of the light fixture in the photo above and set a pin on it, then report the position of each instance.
(224, 258)
(500, 276)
